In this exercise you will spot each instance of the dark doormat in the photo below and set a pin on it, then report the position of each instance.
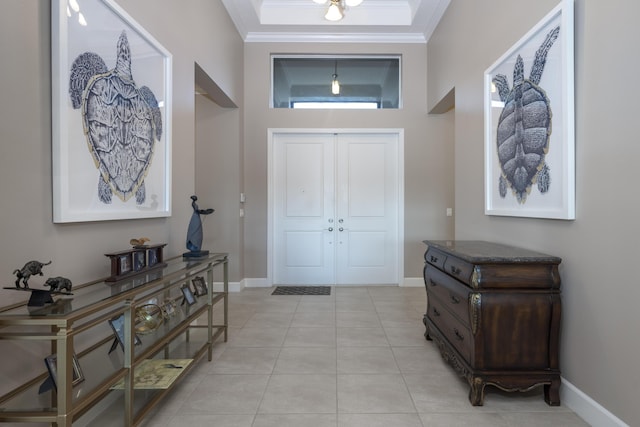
(302, 290)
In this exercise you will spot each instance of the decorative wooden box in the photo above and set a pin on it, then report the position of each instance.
(137, 260)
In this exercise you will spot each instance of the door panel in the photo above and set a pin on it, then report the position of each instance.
(366, 249)
(303, 200)
(367, 182)
(304, 169)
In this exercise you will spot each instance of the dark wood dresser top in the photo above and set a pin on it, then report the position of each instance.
(480, 252)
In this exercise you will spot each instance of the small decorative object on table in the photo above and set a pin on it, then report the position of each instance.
(188, 295)
(169, 309)
(199, 286)
(58, 284)
(52, 366)
(117, 324)
(40, 297)
(156, 374)
(140, 259)
(30, 269)
(148, 318)
(194, 232)
(139, 243)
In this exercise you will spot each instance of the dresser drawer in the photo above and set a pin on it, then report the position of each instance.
(435, 257)
(451, 292)
(459, 269)
(451, 328)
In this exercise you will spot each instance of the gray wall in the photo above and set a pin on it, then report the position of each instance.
(600, 339)
(200, 32)
(195, 31)
(428, 146)
(219, 178)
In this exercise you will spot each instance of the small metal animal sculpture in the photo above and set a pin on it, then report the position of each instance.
(524, 127)
(58, 284)
(31, 268)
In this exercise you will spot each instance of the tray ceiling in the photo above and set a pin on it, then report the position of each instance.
(373, 21)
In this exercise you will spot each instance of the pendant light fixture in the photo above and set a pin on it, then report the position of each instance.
(335, 84)
(335, 12)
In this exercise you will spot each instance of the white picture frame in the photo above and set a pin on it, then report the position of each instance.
(517, 183)
(94, 30)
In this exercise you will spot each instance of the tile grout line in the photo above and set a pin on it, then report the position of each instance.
(404, 381)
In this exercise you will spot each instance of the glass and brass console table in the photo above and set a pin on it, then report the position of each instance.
(116, 348)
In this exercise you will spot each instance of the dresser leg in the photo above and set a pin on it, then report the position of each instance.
(476, 392)
(552, 393)
(426, 332)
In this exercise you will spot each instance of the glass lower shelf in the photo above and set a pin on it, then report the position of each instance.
(99, 366)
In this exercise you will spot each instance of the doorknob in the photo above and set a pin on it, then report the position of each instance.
(341, 229)
(329, 229)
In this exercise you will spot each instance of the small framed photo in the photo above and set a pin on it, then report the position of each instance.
(199, 286)
(52, 366)
(188, 295)
(153, 256)
(169, 308)
(117, 324)
(124, 264)
(139, 260)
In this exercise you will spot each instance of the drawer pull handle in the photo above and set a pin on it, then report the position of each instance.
(455, 270)
(458, 334)
(454, 299)
(436, 312)
(434, 259)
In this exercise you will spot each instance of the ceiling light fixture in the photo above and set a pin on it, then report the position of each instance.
(335, 84)
(337, 7)
(335, 11)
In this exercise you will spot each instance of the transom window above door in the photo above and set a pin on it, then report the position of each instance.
(321, 81)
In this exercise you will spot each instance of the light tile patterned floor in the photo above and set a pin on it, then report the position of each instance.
(354, 358)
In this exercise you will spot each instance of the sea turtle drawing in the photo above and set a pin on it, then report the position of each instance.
(121, 122)
(524, 127)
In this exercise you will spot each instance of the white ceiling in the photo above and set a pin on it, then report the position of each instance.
(373, 21)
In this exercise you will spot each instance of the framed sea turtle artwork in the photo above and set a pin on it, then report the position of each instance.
(111, 115)
(529, 141)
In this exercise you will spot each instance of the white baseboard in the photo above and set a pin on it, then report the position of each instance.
(413, 282)
(233, 286)
(263, 282)
(587, 408)
(260, 282)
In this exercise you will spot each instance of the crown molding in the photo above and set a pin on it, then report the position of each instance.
(291, 37)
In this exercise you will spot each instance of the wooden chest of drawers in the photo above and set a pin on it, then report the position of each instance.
(494, 311)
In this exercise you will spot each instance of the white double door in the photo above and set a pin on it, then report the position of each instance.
(336, 202)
